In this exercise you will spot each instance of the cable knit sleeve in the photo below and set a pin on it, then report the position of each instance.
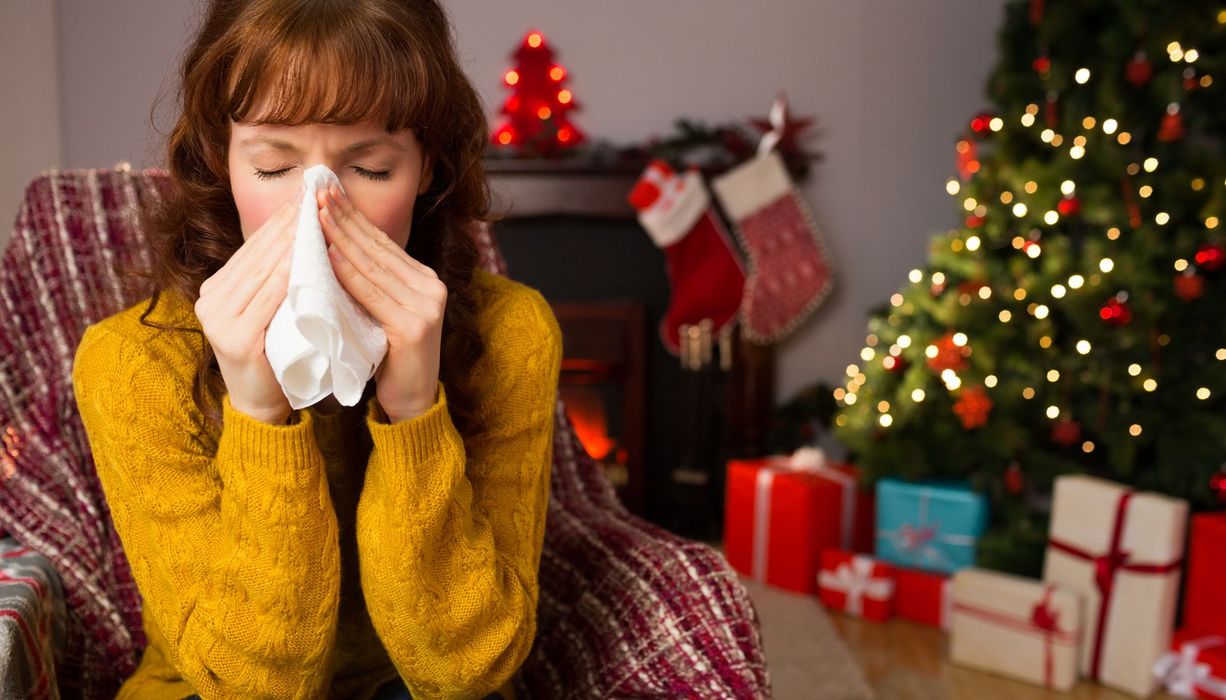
(235, 550)
(450, 531)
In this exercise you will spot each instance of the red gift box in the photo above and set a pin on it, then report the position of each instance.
(857, 584)
(1203, 608)
(1195, 667)
(781, 512)
(923, 597)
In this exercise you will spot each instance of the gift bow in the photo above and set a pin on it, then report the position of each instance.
(804, 459)
(1182, 674)
(855, 578)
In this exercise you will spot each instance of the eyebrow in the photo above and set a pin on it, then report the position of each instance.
(286, 146)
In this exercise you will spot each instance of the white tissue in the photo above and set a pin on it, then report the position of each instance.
(320, 341)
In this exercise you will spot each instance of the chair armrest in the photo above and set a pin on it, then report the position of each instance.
(33, 623)
(629, 609)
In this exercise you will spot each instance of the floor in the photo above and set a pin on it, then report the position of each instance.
(902, 659)
(819, 655)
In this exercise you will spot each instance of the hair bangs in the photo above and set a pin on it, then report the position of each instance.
(295, 75)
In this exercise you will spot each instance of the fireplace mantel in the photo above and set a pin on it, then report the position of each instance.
(526, 188)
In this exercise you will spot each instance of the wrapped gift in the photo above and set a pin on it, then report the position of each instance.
(857, 584)
(1204, 603)
(781, 512)
(923, 597)
(33, 622)
(1195, 667)
(1016, 627)
(931, 525)
(1121, 550)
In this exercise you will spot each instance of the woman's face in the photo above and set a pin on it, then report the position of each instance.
(382, 174)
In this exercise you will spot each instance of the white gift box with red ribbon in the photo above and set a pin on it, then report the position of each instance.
(1016, 627)
(1121, 550)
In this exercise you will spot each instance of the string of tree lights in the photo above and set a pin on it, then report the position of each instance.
(1076, 320)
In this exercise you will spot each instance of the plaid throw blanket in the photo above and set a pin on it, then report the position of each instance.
(626, 608)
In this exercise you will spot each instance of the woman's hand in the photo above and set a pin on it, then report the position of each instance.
(235, 307)
(406, 297)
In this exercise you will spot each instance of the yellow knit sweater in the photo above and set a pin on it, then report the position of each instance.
(325, 557)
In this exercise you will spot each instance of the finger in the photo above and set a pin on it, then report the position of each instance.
(263, 306)
(383, 307)
(373, 237)
(249, 278)
(257, 245)
(381, 266)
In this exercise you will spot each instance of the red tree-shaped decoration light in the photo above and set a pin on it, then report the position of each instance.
(536, 111)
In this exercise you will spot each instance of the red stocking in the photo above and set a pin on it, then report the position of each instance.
(704, 269)
(789, 268)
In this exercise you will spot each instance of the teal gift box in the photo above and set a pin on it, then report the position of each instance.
(930, 524)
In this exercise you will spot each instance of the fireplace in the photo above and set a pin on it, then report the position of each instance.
(571, 235)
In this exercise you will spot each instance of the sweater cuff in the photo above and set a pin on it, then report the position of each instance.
(420, 438)
(252, 451)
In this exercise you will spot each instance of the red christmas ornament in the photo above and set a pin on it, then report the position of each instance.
(1050, 114)
(1217, 485)
(1069, 206)
(536, 111)
(1189, 286)
(973, 407)
(974, 221)
(1041, 65)
(1115, 312)
(893, 363)
(1139, 70)
(982, 123)
(1172, 126)
(971, 287)
(1013, 479)
(1036, 12)
(1066, 433)
(968, 159)
(949, 355)
(1211, 257)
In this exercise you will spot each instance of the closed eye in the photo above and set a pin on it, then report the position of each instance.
(378, 175)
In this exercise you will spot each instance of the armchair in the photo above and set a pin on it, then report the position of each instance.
(626, 608)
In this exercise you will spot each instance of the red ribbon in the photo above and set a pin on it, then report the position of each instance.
(1106, 566)
(1047, 619)
(1043, 618)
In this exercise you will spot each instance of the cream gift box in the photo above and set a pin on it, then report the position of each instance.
(1016, 627)
(1120, 549)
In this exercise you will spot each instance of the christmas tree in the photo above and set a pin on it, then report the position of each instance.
(536, 110)
(1076, 321)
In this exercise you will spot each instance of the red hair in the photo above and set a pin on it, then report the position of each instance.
(391, 61)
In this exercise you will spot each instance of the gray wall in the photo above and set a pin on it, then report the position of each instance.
(891, 82)
(30, 139)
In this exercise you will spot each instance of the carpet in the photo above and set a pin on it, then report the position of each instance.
(804, 655)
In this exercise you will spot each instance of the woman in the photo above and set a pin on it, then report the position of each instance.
(377, 550)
